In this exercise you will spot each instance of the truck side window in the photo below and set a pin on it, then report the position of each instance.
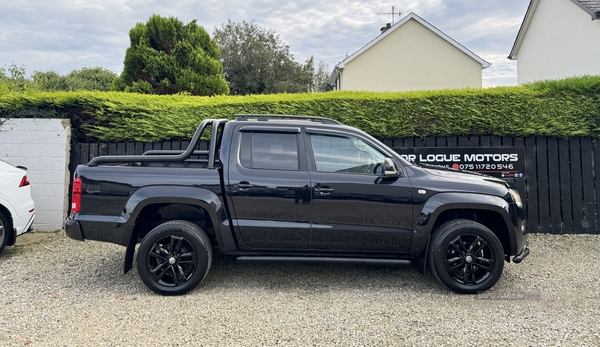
(265, 150)
(345, 155)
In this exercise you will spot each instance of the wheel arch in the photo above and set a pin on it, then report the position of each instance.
(491, 211)
(491, 219)
(146, 200)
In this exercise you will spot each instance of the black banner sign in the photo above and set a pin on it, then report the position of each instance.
(505, 162)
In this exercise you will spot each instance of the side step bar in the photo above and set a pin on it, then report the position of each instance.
(323, 260)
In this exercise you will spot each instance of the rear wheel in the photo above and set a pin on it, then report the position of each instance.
(4, 230)
(466, 256)
(174, 257)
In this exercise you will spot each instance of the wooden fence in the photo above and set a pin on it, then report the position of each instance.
(559, 188)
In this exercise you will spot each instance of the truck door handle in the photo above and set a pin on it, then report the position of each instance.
(324, 190)
(244, 185)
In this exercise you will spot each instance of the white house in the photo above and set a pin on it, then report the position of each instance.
(558, 39)
(411, 55)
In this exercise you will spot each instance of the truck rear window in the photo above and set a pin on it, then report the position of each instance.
(265, 150)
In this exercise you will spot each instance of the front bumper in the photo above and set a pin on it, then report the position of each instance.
(524, 253)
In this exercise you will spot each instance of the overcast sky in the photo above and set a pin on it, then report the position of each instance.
(64, 35)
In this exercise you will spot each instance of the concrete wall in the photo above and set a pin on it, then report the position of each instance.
(41, 145)
(411, 58)
(561, 41)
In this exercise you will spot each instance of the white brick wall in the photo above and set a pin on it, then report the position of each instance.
(41, 145)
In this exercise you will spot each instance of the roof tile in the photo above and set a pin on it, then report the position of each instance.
(593, 5)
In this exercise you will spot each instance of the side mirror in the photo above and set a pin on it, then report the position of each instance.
(389, 168)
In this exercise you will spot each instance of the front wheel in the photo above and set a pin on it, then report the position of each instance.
(174, 257)
(466, 256)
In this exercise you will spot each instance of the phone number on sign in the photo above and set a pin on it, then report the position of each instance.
(485, 166)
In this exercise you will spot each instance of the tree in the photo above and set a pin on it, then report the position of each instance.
(320, 75)
(94, 78)
(13, 79)
(256, 61)
(167, 56)
(88, 78)
(49, 81)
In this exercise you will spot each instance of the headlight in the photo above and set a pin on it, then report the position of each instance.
(516, 197)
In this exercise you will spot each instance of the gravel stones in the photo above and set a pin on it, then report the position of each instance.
(55, 291)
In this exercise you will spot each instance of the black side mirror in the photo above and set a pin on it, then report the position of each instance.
(389, 168)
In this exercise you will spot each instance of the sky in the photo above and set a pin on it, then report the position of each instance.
(64, 35)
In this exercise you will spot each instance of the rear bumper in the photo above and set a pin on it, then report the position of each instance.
(97, 228)
(23, 222)
(73, 229)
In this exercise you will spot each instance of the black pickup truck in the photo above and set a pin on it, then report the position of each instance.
(295, 189)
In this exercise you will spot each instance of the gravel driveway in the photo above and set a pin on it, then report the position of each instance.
(60, 292)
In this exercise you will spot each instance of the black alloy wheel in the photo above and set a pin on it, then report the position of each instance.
(466, 256)
(174, 257)
(172, 260)
(469, 259)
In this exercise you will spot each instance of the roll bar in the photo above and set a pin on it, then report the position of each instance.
(154, 156)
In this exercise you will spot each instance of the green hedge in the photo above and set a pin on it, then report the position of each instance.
(566, 108)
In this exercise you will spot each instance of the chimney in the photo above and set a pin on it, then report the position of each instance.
(386, 27)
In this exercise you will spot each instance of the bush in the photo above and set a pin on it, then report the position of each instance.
(88, 78)
(565, 109)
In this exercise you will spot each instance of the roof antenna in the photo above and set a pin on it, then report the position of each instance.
(393, 13)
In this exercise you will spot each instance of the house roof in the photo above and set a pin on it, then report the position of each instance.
(592, 7)
(412, 15)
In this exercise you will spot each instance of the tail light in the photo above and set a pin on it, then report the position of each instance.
(76, 195)
(24, 182)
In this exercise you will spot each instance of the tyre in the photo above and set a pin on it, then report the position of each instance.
(174, 257)
(4, 231)
(466, 256)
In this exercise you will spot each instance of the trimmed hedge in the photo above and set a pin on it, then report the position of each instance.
(566, 108)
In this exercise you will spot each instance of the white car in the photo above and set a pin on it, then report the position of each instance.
(16, 205)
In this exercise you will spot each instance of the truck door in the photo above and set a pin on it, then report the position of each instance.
(355, 207)
(269, 188)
